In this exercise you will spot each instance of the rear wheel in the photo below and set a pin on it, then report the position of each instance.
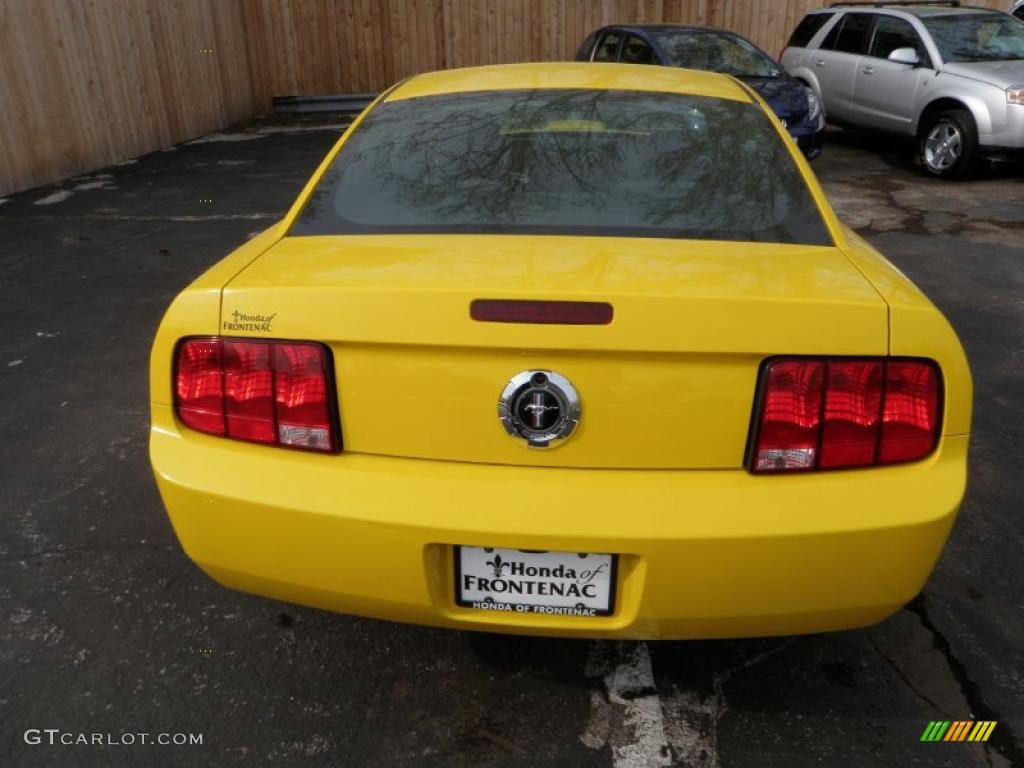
(949, 144)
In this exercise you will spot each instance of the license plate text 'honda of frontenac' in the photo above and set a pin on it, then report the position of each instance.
(564, 349)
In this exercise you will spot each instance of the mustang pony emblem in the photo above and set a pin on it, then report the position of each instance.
(541, 407)
(537, 409)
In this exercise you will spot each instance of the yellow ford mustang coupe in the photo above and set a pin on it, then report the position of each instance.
(564, 349)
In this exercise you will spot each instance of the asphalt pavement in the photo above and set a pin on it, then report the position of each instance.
(106, 628)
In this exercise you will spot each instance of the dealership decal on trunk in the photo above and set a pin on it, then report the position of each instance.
(241, 321)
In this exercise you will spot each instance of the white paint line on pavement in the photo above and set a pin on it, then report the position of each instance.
(628, 715)
(648, 728)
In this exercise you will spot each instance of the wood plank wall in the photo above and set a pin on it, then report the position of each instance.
(307, 47)
(85, 83)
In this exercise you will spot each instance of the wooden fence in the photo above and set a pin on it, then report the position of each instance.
(305, 47)
(85, 83)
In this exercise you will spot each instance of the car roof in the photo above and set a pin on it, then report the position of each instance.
(667, 28)
(582, 75)
(921, 11)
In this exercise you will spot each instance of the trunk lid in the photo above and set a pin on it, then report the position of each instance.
(669, 383)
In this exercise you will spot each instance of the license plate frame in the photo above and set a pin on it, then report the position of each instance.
(606, 580)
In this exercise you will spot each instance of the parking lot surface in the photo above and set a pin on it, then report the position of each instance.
(106, 627)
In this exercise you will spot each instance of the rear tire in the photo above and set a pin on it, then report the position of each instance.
(949, 144)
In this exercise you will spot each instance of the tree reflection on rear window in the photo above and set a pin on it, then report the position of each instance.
(575, 162)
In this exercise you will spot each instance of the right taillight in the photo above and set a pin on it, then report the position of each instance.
(836, 413)
(273, 392)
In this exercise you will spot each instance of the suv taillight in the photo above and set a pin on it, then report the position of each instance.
(836, 413)
(274, 392)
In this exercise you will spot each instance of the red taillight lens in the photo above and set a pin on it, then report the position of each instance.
(836, 413)
(790, 416)
(853, 397)
(911, 412)
(274, 392)
(249, 391)
(200, 386)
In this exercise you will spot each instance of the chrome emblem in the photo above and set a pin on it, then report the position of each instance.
(541, 407)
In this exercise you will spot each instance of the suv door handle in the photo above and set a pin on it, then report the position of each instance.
(819, 62)
(868, 70)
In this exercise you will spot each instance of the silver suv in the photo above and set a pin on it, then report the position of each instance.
(952, 77)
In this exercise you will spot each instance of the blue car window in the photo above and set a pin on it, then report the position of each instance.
(715, 52)
(608, 48)
(637, 51)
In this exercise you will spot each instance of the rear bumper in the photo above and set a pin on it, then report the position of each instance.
(702, 553)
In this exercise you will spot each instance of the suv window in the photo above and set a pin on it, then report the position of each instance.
(892, 33)
(807, 29)
(636, 51)
(854, 30)
(852, 33)
(608, 47)
(977, 37)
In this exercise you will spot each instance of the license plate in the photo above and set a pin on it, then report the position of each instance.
(521, 581)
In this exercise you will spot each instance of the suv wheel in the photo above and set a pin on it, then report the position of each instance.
(949, 144)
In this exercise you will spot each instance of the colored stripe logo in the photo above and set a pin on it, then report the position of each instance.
(958, 730)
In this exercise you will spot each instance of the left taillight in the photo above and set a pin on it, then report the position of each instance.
(272, 392)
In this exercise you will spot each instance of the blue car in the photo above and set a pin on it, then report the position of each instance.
(715, 50)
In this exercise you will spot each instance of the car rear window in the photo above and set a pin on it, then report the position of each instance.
(807, 29)
(577, 162)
